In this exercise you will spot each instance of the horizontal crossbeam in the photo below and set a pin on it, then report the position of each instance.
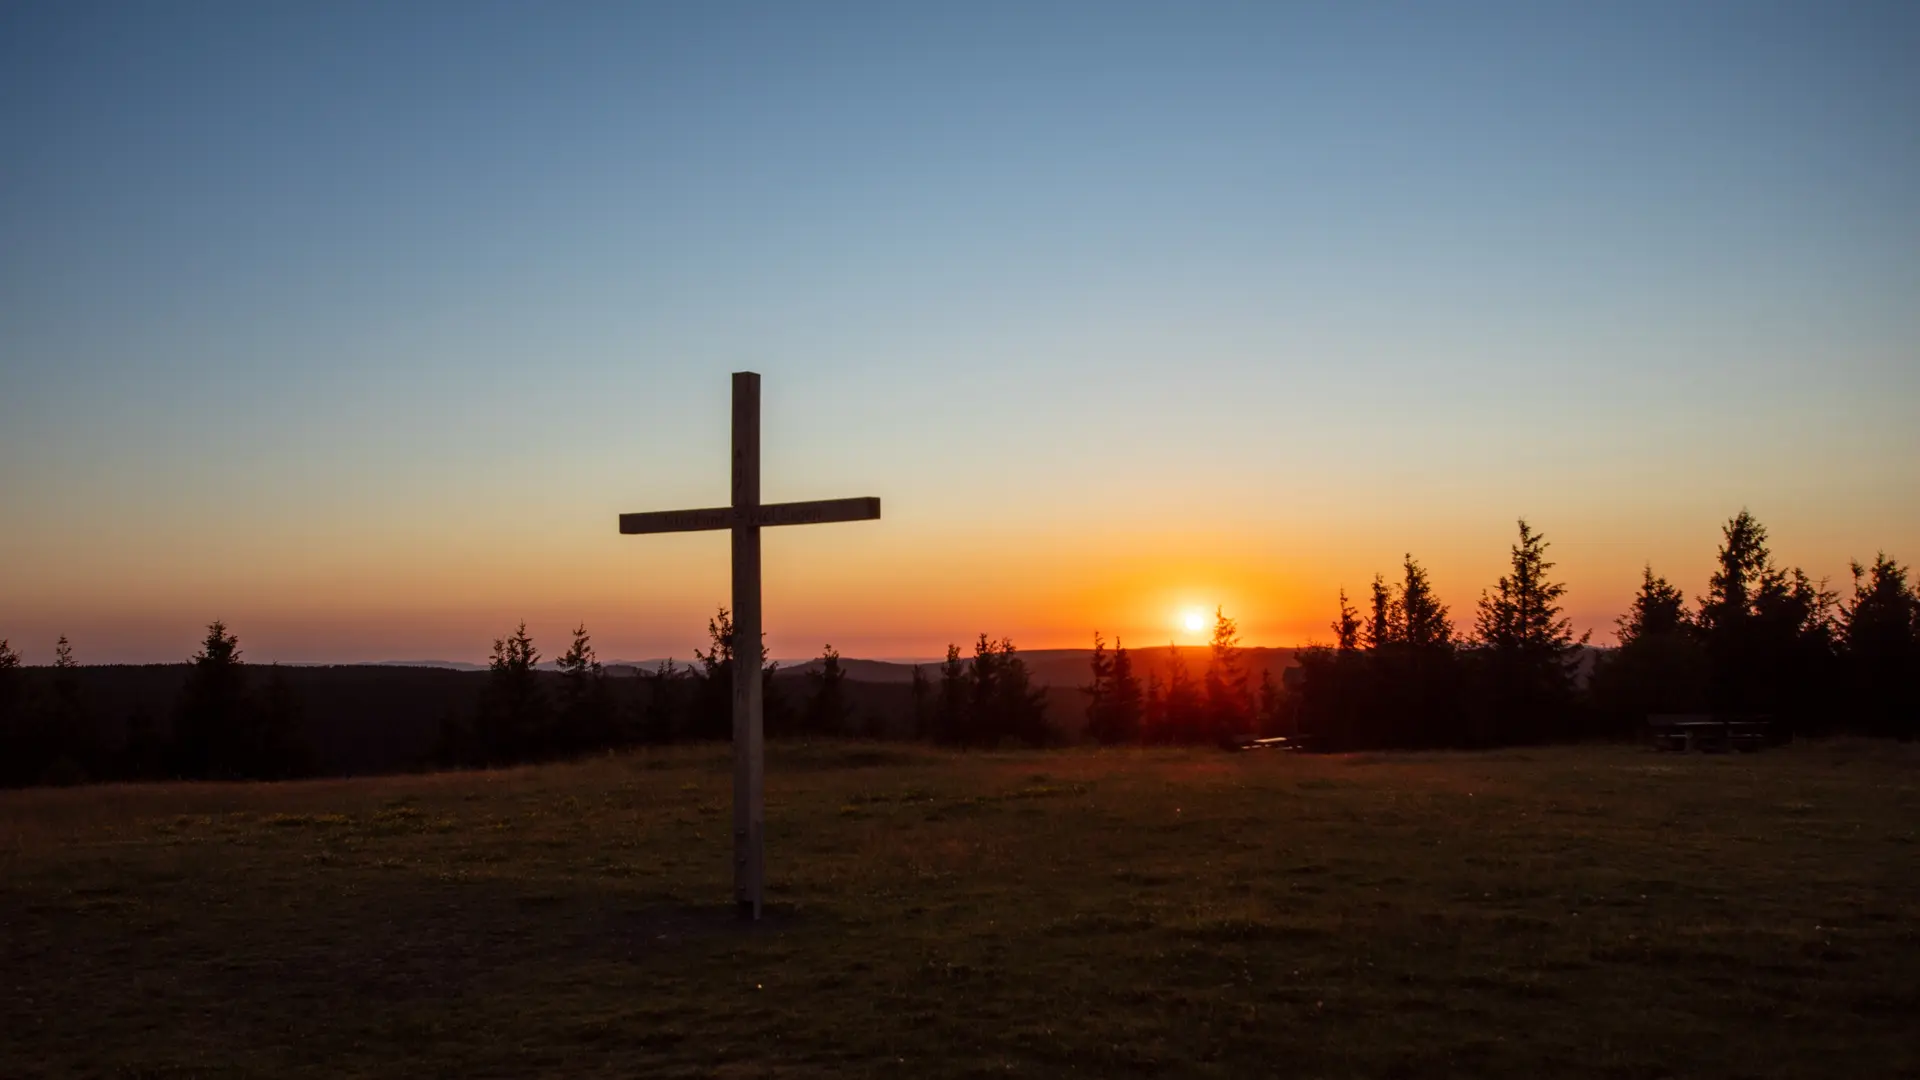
(817, 512)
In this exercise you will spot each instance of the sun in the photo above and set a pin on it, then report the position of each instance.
(1194, 621)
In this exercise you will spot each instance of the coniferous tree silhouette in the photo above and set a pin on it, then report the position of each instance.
(1659, 666)
(1114, 705)
(1006, 707)
(1332, 705)
(660, 718)
(826, 711)
(1525, 650)
(1228, 708)
(586, 701)
(1153, 711)
(1880, 628)
(1418, 671)
(1347, 626)
(983, 694)
(992, 700)
(1726, 620)
(16, 752)
(515, 719)
(210, 736)
(1423, 621)
(713, 706)
(1183, 710)
(1401, 685)
(1797, 636)
(954, 693)
(1385, 620)
(1124, 705)
(1098, 690)
(70, 754)
(1659, 610)
(1769, 633)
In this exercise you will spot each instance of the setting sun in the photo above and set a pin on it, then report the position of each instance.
(1194, 621)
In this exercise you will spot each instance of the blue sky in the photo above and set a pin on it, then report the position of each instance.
(355, 324)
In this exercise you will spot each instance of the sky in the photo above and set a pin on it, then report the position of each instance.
(357, 325)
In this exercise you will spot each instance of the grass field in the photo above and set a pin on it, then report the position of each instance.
(1598, 912)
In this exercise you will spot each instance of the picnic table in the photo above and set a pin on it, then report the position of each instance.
(1709, 733)
(1251, 742)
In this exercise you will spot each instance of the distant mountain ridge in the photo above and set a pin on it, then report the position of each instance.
(1049, 667)
(1058, 668)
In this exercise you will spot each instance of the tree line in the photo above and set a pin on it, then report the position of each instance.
(1764, 641)
(524, 715)
(233, 720)
(1221, 706)
(222, 724)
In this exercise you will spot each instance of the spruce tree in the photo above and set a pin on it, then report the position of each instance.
(1743, 560)
(1422, 618)
(1526, 649)
(954, 694)
(660, 719)
(1769, 633)
(1183, 708)
(586, 708)
(1098, 691)
(1658, 610)
(1659, 666)
(826, 712)
(1412, 691)
(210, 736)
(514, 720)
(1880, 628)
(1384, 619)
(1727, 616)
(1796, 638)
(1125, 709)
(15, 751)
(1017, 710)
(1229, 702)
(713, 705)
(72, 755)
(1347, 626)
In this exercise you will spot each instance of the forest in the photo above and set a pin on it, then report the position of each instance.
(1763, 641)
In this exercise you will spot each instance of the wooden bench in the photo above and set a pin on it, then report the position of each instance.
(1708, 733)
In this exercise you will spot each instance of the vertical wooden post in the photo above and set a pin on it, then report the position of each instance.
(749, 815)
(745, 517)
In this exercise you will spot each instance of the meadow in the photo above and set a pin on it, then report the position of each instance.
(1578, 911)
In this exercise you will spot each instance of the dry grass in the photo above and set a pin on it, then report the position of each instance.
(1568, 912)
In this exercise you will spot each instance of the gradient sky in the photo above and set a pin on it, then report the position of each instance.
(356, 325)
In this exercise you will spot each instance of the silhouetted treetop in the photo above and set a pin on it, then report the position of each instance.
(1347, 625)
(1423, 618)
(1658, 610)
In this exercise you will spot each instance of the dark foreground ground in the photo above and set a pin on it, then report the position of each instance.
(1600, 912)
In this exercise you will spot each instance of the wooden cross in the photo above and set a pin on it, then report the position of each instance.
(745, 518)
